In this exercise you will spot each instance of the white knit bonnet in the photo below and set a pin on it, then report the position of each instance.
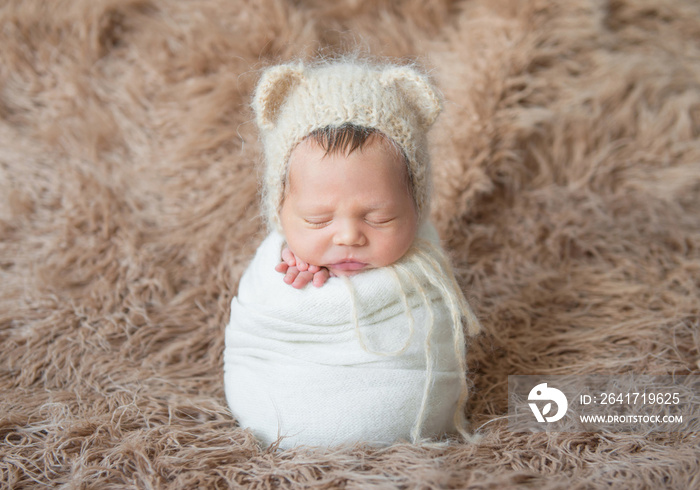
(293, 100)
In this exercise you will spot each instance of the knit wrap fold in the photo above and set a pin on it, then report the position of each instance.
(375, 357)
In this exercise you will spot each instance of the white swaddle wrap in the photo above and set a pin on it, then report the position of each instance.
(345, 362)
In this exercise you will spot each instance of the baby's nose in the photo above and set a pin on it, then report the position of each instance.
(349, 234)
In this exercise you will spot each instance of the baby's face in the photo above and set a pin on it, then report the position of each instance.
(348, 213)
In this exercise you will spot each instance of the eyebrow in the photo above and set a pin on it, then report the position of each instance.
(322, 209)
(378, 205)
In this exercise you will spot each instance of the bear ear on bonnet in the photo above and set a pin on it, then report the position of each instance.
(275, 85)
(417, 91)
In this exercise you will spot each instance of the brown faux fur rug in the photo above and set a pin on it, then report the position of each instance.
(567, 179)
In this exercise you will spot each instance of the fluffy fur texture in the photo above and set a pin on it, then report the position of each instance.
(566, 177)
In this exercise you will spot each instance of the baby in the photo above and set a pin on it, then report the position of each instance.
(375, 352)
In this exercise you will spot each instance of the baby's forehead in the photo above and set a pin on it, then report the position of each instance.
(310, 154)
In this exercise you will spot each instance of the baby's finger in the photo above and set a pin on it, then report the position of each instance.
(302, 279)
(321, 277)
(288, 257)
(314, 269)
(302, 266)
(291, 275)
(282, 267)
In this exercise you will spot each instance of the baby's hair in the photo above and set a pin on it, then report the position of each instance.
(342, 139)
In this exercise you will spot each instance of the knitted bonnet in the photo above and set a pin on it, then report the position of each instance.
(293, 100)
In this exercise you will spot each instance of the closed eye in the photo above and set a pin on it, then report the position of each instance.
(317, 223)
(379, 221)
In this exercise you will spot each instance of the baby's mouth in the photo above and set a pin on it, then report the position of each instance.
(348, 266)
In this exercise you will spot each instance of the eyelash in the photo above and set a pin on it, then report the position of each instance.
(321, 224)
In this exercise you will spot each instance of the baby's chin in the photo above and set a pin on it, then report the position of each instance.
(335, 273)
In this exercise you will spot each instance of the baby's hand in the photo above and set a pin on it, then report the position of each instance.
(298, 273)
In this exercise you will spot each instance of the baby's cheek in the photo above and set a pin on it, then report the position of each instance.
(398, 246)
(307, 249)
(314, 255)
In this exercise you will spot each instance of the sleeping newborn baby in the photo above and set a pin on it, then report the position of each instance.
(363, 339)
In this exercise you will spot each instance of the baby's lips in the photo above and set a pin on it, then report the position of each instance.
(348, 266)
